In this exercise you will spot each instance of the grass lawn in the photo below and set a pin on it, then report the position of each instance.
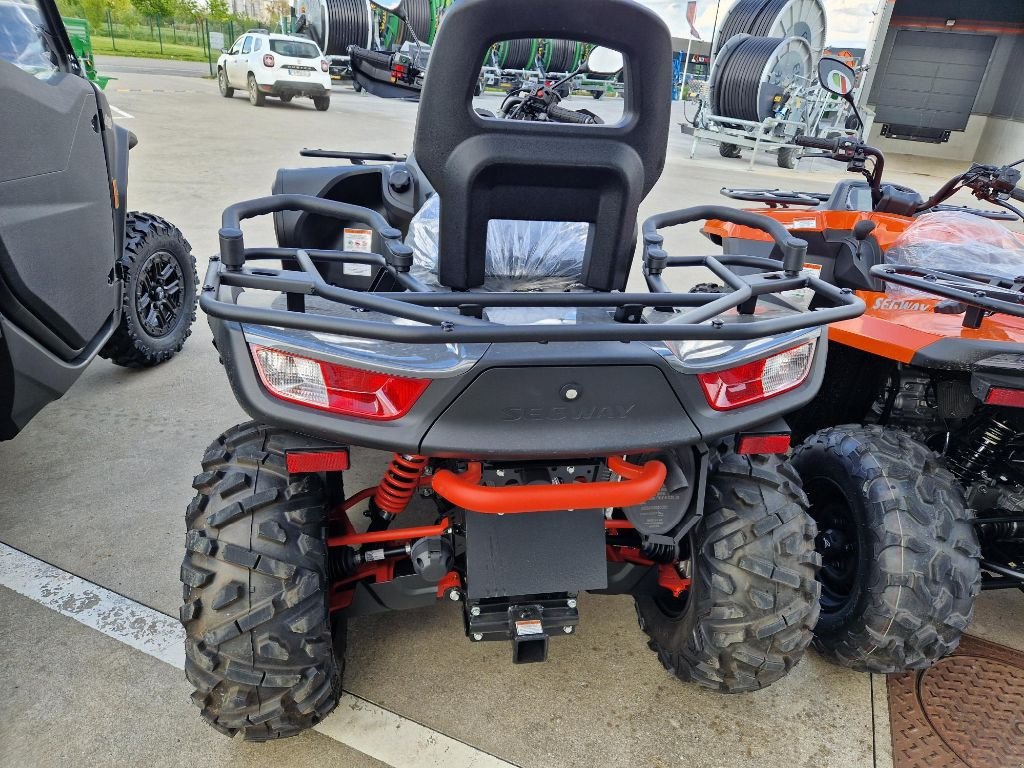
(148, 49)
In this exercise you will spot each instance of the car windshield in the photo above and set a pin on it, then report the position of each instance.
(20, 40)
(295, 49)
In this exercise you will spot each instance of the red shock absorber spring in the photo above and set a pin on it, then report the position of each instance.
(399, 484)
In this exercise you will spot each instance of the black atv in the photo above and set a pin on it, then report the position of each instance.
(572, 436)
(80, 276)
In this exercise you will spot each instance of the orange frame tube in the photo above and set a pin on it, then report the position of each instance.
(392, 534)
(640, 484)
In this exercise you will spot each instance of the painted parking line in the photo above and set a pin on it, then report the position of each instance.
(121, 113)
(357, 723)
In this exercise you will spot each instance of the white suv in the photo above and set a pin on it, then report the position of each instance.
(275, 65)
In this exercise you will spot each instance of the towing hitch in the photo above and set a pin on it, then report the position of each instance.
(528, 624)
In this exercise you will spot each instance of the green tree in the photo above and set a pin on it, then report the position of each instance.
(189, 10)
(156, 9)
(218, 10)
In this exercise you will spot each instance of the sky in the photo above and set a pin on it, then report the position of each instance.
(849, 21)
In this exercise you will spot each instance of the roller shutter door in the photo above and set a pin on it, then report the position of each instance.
(931, 79)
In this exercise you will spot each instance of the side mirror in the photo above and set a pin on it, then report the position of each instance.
(605, 61)
(836, 76)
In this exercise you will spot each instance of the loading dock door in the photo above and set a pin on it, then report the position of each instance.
(930, 81)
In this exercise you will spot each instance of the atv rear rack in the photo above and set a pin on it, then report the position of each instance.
(443, 317)
(977, 292)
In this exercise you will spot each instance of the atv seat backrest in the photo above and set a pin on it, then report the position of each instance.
(487, 169)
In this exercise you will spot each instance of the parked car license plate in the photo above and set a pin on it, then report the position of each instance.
(298, 72)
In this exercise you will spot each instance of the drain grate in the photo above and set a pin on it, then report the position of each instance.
(967, 711)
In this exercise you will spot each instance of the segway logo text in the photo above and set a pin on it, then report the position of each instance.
(902, 305)
(568, 413)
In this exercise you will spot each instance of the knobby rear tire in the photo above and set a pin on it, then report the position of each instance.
(259, 644)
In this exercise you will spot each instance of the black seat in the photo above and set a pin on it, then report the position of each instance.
(510, 169)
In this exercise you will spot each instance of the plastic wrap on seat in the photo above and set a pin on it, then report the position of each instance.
(950, 240)
(521, 255)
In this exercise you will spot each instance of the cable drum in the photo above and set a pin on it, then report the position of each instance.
(343, 23)
(794, 18)
(420, 19)
(777, 18)
(739, 20)
(517, 54)
(751, 71)
(560, 55)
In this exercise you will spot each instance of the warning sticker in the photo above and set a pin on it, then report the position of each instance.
(358, 241)
(529, 627)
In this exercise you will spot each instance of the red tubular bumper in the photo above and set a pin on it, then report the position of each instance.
(639, 484)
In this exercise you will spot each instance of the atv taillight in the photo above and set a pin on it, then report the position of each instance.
(759, 380)
(324, 66)
(268, 60)
(1012, 398)
(336, 388)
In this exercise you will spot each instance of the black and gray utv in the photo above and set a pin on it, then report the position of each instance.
(466, 309)
(80, 275)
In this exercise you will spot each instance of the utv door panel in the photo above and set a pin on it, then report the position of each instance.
(57, 249)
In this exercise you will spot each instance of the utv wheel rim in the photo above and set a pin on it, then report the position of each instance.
(160, 295)
(836, 542)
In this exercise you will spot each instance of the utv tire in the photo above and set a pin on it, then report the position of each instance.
(357, 86)
(286, 98)
(901, 559)
(256, 97)
(222, 82)
(730, 150)
(753, 599)
(322, 103)
(258, 645)
(159, 301)
(788, 157)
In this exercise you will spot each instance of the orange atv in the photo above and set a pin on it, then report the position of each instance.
(913, 451)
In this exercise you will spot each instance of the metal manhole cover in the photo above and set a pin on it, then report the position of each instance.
(967, 711)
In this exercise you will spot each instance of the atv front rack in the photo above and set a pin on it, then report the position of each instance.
(443, 317)
(973, 293)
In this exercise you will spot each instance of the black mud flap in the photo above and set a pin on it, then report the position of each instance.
(535, 553)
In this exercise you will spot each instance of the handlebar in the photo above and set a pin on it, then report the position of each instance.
(1018, 194)
(563, 115)
(813, 142)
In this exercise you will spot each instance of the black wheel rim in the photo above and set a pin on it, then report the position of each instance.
(837, 543)
(160, 294)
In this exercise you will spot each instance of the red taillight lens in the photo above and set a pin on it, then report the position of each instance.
(757, 381)
(1014, 398)
(268, 60)
(324, 66)
(336, 388)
